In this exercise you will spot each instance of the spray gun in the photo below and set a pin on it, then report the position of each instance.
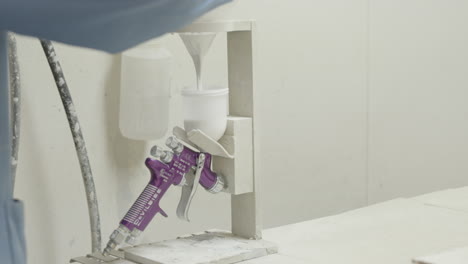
(183, 167)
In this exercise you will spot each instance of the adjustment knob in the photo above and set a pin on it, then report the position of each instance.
(175, 145)
(218, 186)
(161, 154)
(157, 152)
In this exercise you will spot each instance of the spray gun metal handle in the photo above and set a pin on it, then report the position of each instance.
(146, 206)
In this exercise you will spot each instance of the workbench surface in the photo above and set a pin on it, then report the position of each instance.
(393, 232)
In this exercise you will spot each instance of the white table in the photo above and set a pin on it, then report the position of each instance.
(394, 232)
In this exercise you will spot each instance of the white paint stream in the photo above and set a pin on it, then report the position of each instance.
(197, 45)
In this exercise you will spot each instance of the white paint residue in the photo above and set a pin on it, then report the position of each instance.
(54, 57)
(211, 247)
(72, 109)
(76, 128)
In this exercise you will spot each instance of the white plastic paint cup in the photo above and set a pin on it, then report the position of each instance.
(145, 92)
(206, 110)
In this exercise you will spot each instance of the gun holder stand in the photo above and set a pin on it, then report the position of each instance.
(232, 156)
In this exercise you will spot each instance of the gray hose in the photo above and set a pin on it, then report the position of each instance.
(79, 143)
(15, 102)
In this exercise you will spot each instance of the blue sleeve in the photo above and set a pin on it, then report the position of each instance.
(12, 243)
(109, 25)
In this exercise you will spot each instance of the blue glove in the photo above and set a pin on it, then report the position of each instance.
(109, 25)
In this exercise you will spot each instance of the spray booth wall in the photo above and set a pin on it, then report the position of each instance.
(359, 102)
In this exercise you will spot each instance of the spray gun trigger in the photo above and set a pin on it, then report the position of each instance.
(162, 212)
(189, 190)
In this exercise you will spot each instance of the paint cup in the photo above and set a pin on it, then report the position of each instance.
(206, 110)
(145, 92)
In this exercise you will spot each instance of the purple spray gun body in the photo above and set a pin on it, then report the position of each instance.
(182, 167)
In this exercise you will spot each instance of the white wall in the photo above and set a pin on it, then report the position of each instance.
(362, 101)
(418, 118)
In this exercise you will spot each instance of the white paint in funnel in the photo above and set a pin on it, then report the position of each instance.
(197, 45)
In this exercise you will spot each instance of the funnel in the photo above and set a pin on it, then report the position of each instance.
(197, 45)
